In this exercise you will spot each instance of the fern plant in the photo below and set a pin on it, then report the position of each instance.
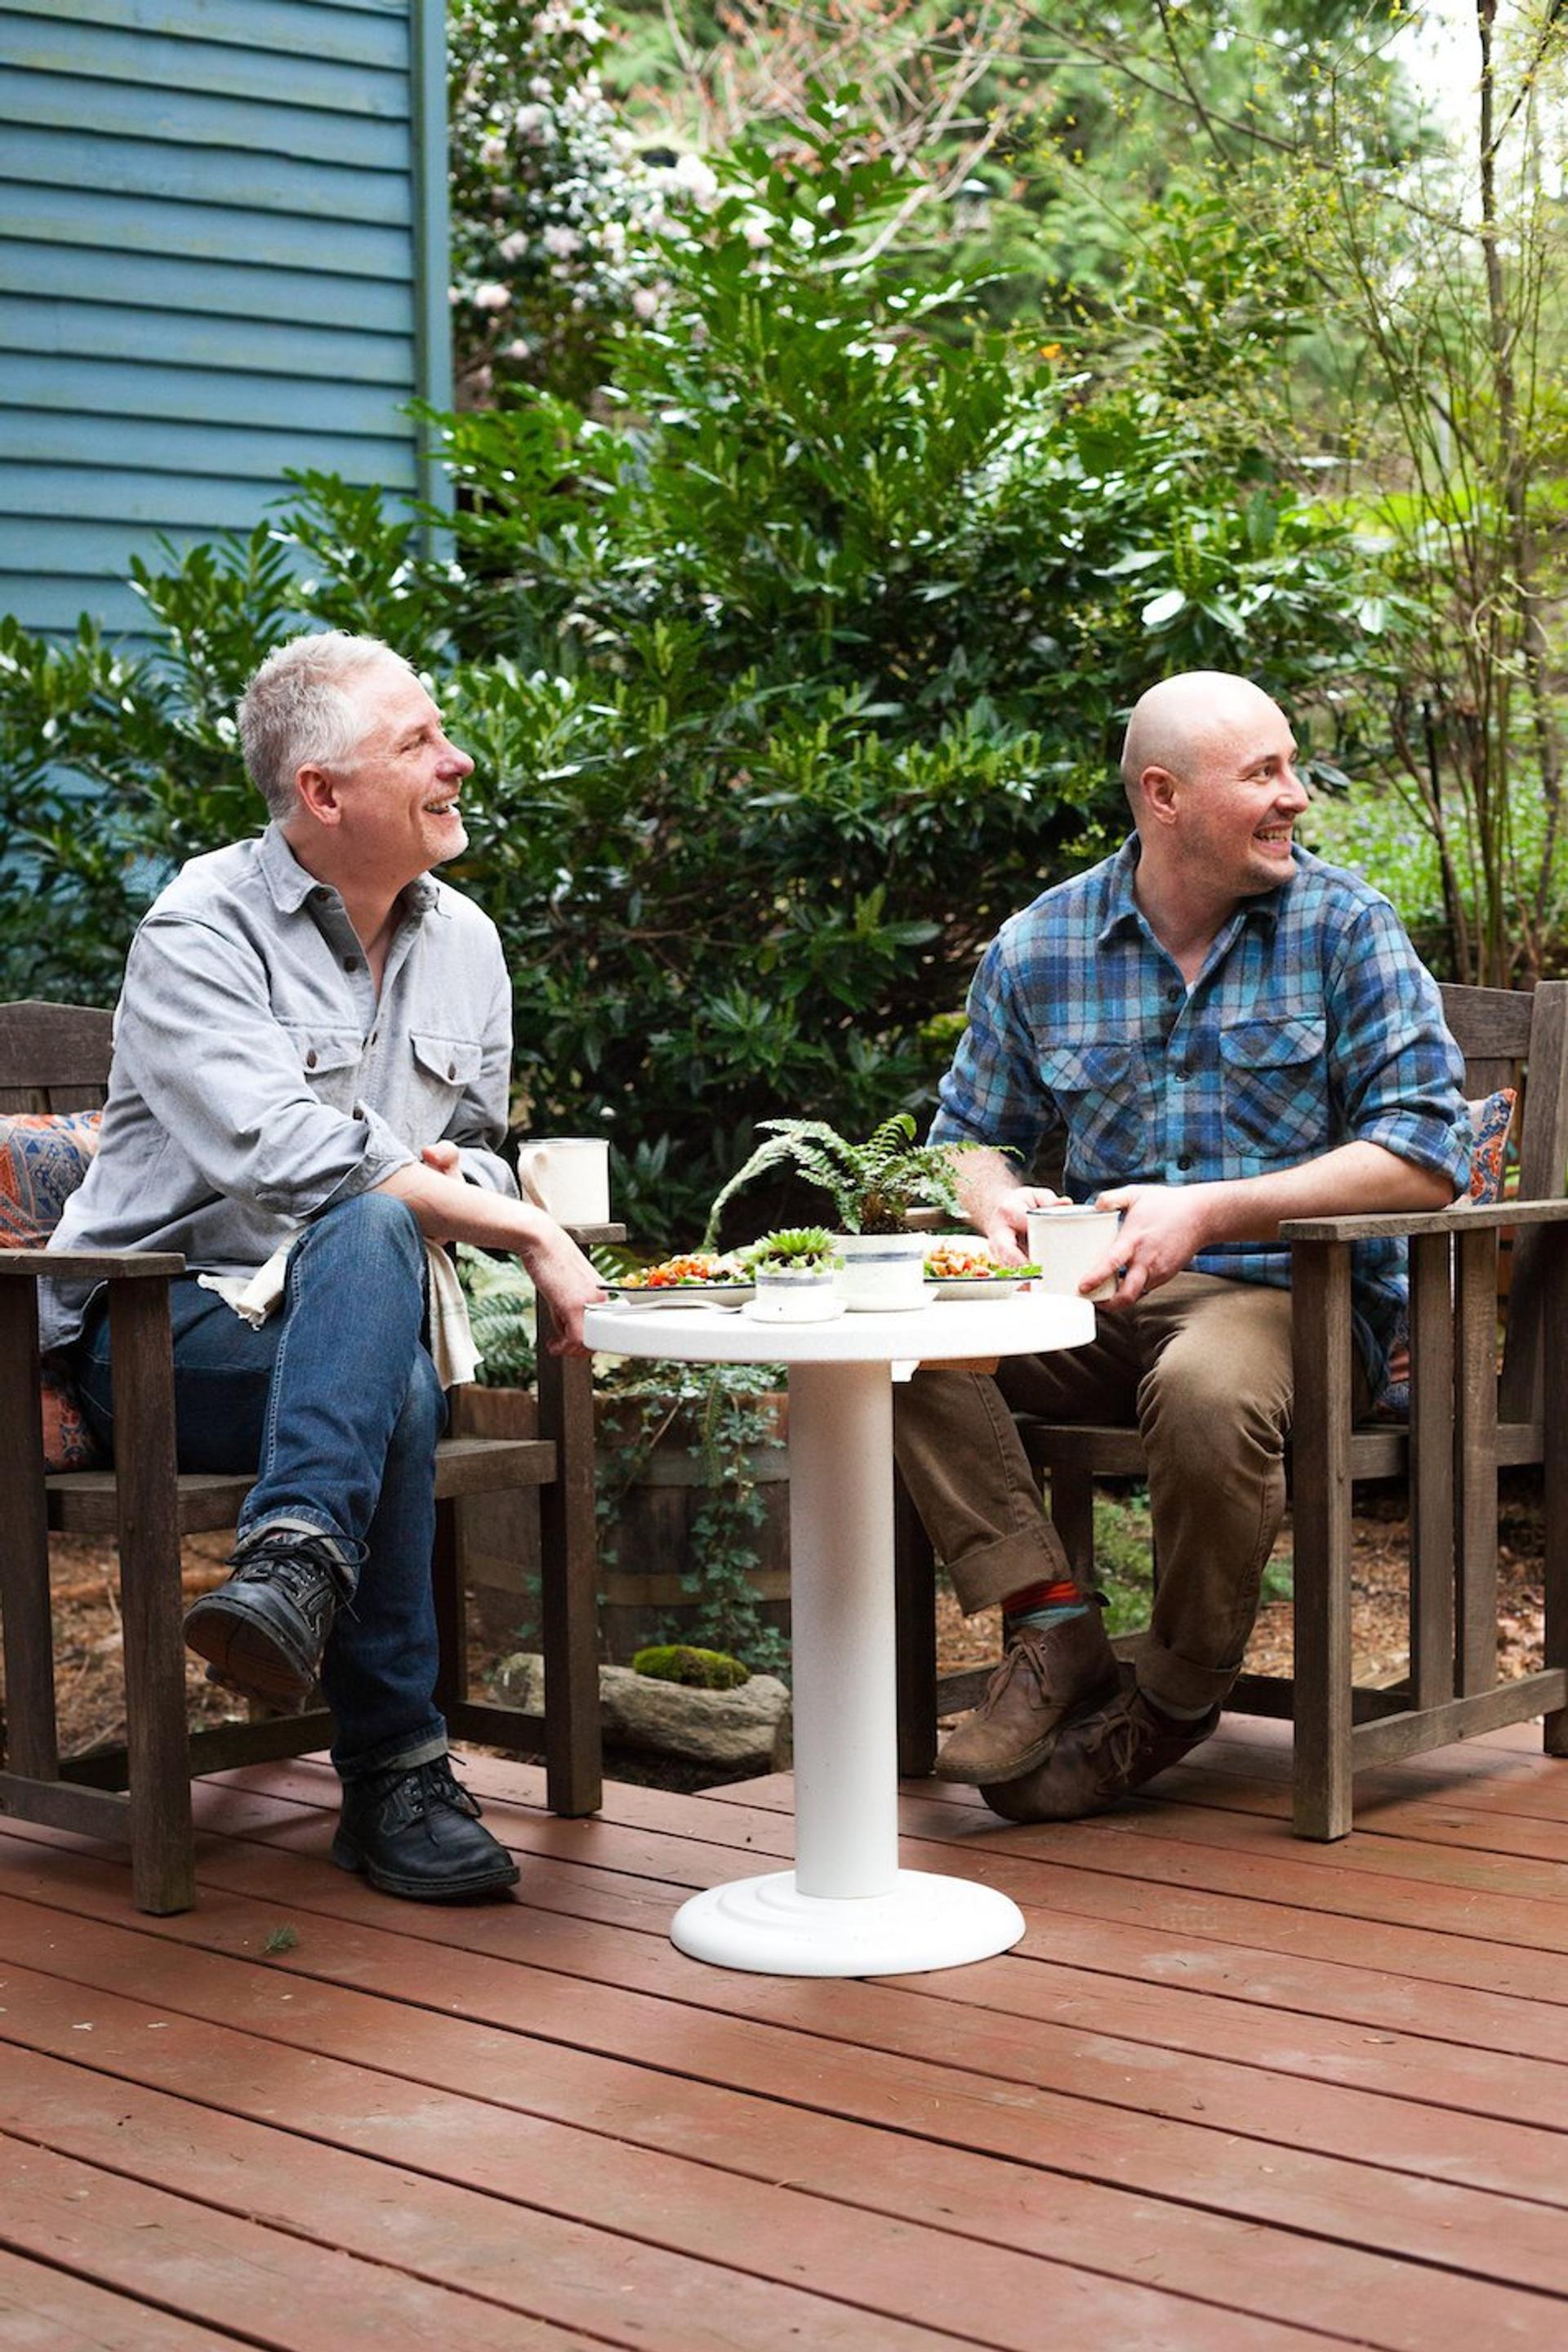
(872, 1184)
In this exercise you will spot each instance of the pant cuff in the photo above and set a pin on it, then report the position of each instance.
(989, 1574)
(400, 1755)
(1171, 1681)
(349, 1552)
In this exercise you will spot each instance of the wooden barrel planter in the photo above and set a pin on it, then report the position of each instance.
(643, 1596)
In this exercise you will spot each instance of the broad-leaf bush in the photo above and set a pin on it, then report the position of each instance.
(789, 673)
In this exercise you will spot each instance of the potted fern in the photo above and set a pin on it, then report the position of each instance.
(874, 1186)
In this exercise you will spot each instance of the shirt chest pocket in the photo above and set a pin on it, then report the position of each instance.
(328, 1060)
(1097, 1087)
(443, 1067)
(1276, 1087)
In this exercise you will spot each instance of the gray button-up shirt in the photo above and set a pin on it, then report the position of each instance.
(256, 1079)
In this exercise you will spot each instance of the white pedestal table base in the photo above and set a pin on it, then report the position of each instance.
(845, 1910)
(766, 1924)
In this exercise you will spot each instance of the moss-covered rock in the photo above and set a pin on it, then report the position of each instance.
(678, 1662)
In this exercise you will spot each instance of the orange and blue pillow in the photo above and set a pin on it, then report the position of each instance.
(42, 1158)
(1491, 1119)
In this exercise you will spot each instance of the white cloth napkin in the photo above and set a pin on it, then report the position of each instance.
(253, 1298)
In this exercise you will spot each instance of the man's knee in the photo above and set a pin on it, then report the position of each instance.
(1200, 1407)
(378, 1219)
(372, 1243)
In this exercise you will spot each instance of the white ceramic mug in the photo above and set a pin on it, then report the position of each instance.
(1065, 1244)
(569, 1176)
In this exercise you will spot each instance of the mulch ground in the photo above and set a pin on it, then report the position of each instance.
(88, 1638)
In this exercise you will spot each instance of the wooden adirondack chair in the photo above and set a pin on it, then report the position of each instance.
(55, 1059)
(1471, 1413)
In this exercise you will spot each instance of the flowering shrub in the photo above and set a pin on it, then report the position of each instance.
(559, 228)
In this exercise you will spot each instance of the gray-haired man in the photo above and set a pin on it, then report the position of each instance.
(311, 1050)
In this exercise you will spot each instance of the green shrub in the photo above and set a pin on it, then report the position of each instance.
(790, 672)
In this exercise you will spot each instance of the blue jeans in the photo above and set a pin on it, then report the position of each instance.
(334, 1402)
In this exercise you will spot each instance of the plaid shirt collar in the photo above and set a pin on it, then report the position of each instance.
(1123, 912)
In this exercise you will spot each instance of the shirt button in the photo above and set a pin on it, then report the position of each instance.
(1185, 1161)
(311, 1059)
(321, 895)
(350, 963)
(451, 1069)
(374, 1036)
(1173, 995)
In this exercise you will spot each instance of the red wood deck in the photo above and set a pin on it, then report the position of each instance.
(1232, 2091)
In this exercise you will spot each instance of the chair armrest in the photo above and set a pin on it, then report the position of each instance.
(1409, 1223)
(590, 1236)
(92, 1265)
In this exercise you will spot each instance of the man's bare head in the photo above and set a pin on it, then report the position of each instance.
(1210, 770)
(1182, 724)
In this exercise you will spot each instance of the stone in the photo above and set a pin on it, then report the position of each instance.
(747, 1726)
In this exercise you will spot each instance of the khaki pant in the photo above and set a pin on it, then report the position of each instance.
(1202, 1369)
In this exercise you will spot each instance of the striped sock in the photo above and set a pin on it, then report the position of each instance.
(1050, 1603)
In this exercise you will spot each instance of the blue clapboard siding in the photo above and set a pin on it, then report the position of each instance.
(222, 257)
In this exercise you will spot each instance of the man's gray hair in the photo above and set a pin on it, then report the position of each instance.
(301, 709)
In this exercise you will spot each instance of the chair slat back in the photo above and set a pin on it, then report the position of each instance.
(1510, 1037)
(53, 1057)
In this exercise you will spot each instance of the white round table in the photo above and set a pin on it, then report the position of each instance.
(846, 1908)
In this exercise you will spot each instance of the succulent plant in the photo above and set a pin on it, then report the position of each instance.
(793, 1249)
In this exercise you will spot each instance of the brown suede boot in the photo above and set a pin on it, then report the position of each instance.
(1049, 1673)
(1099, 1758)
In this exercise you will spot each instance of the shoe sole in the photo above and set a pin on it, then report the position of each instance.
(991, 1776)
(421, 1890)
(244, 1655)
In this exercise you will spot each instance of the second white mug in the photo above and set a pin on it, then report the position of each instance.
(1067, 1243)
(568, 1176)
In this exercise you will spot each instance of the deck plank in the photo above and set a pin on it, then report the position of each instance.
(1230, 2090)
(122, 2233)
(46, 2310)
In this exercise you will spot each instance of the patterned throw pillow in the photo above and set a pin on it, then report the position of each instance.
(1491, 1118)
(42, 1158)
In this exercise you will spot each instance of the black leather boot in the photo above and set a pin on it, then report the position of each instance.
(264, 1630)
(414, 1830)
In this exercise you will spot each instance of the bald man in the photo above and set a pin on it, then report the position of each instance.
(1230, 1034)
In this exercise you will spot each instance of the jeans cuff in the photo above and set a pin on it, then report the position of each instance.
(399, 1754)
(349, 1554)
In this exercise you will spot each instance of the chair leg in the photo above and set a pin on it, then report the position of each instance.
(914, 1582)
(162, 1846)
(32, 1742)
(569, 1598)
(1319, 1283)
(1554, 1247)
(451, 1608)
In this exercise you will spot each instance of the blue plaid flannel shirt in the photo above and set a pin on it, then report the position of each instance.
(1312, 1023)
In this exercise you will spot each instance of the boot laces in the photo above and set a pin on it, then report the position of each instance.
(423, 1789)
(1115, 1736)
(303, 1566)
(1026, 1652)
